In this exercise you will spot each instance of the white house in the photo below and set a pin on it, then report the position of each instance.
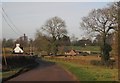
(17, 49)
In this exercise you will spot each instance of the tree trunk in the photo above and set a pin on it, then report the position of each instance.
(105, 52)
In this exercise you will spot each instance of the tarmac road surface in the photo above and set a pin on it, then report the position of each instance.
(46, 71)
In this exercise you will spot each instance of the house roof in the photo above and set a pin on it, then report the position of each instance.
(71, 52)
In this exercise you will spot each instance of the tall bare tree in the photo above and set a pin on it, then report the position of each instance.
(55, 28)
(102, 22)
(114, 8)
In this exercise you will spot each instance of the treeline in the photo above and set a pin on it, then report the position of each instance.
(44, 43)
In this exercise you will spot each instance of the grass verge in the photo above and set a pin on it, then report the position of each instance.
(89, 72)
(9, 73)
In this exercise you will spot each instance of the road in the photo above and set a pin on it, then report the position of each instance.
(47, 71)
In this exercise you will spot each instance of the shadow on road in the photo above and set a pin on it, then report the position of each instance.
(43, 63)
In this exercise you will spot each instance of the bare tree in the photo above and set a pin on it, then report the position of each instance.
(55, 28)
(102, 22)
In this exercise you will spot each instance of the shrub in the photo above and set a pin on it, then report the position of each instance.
(17, 61)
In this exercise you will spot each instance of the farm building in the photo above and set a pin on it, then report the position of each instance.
(71, 52)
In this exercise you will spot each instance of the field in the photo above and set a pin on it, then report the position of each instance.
(87, 48)
(84, 71)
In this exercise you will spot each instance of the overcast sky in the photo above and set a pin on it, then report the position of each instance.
(30, 16)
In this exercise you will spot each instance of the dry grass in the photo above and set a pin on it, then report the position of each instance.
(77, 59)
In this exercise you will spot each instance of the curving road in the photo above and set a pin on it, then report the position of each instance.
(47, 71)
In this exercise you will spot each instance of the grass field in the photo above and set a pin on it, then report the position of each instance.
(85, 72)
(87, 48)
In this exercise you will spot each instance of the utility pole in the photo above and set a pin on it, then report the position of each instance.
(4, 56)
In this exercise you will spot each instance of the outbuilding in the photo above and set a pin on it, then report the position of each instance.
(71, 52)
